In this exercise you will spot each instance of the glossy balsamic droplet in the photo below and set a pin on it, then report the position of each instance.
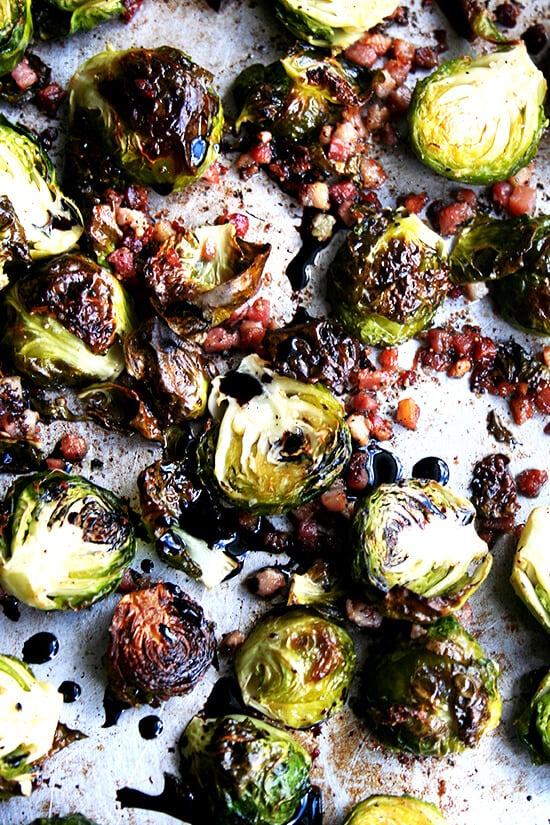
(10, 607)
(433, 468)
(240, 386)
(311, 809)
(40, 648)
(387, 468)
(173, 801)
(71, 691)
(150, 727)
(147, 565)
(225, 698)
(113, 708)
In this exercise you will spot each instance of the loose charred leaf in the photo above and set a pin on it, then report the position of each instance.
(118, 407)
(58, 18)
(16, 31)
(471, 19)
(530, 578)
(160, 645)
(533, 724)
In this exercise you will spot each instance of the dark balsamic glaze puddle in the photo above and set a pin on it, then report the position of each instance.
(113, 708)
(150, 727)
(71, 691)
(10, 608)
(40, 648)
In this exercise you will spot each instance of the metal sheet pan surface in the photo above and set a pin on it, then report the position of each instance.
(495, 783)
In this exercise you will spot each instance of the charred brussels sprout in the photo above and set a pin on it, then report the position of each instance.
(65, 323)
(388, 278)
(171, 368)
(172, 505)
(513, 256)
(533, 725)
(294, 96)
(416, 552)
(30, 711)
(15, 33)
(152, 110)
(57, 18)
(332, 22)
(64, 541)
(160, 645)
(51, 222)
(479, 120)
(275, 443)
(243, 770)
(296, 667)
(432, 694)
(209, 269)
(395, 810)
(530, 573)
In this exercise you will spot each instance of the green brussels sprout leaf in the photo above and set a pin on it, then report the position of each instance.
(332, 22)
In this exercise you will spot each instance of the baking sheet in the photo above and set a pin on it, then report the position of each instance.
(493, 783)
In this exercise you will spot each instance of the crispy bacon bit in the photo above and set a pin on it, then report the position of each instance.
(363, 615)
(451, 217)
(531, 482)
(334, 499)
(501, 195)
(220, 339)
(360, 426)
(24, 75)
(415, 202)
(50, 98)
(522, 200)
(362, 54)
(231, 642)
(122, 261)
(389, 358)
(408, 413)
(240, 222)
(507, 14)
(343, 191)
(426, 57)
(315, 195)
(73, 447)
(267, 582)
(382, 428)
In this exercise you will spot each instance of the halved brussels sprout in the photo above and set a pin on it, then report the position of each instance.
(170, 368)
(209, 268)
(416, 552)
(65, 322)
(432, 692)
(319, 586)
(16, 31)
(295, 95)
(395, 810)
(71, 819)
(64, 541)
(296, 667)
(51, 222)
(275, 443)
(479, 120)
(388, 278)
(533, 725)
(13, 246)
(332, 22)
(30, 712)
(153, 111)
(530, 576)
(240, 769)
(58, 18)
(160, 645)
(173, 505)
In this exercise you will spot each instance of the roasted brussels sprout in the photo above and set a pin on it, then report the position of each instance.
(479, 120)
(160, 645)
(153, 111)
(533, 725)
(30, 717)
(276, 442)
(294, 96)
(58, 18)
(210, 269)
(296, 667)
(388, 278)
(20, 447)
(171, 368)
(395, 810)
(319, 586)
(416, 552)
(65, 323)
(432, 692)
(16, 31)
(13, 246)
(50, 221)
(172, 505)
(64, 541)
(243, 770)
(530, 574)
(332, 22)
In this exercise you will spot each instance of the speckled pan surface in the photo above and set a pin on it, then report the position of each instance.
(495, 783)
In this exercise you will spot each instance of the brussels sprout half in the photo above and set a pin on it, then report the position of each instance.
(152, 110)
(431, 694)
(395, 810)
(64, 323)
(332, 22)
(160, 645)
(243, 770)
(276, 442)
(295, 95)
(64, 541)
(71, 819)
(479, 120)
(51, 222)
(57, 18)
(388, 278)
(16, 31)
(296, 667)
(416, 552)
(533, 725)
(530, 576)
(30, 711)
